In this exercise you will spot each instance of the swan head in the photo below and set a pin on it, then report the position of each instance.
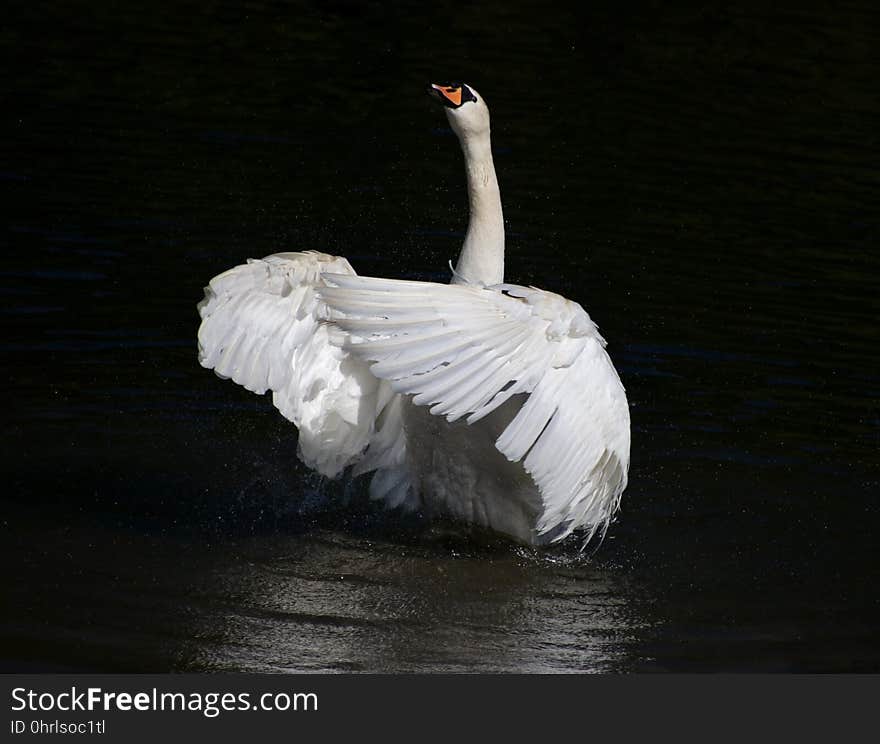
(465, 108)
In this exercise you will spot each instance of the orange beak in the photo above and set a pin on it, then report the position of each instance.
(450, 93)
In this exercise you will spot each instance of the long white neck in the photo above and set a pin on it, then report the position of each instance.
(482, 255)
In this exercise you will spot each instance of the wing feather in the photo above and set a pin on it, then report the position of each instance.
(462, 350)
(262, 327)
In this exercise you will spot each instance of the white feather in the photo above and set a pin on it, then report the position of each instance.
(572, 433)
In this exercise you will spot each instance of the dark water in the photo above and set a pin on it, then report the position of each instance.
(704, 180)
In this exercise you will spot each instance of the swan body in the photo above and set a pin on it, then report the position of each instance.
(488, 402)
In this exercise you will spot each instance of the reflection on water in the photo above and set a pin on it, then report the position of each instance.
(321, 602)
(701, 180)
(334, 603)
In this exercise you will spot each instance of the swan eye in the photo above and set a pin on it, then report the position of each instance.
(467, 94)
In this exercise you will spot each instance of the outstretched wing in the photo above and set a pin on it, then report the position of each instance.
(463, 350)
(261, 327)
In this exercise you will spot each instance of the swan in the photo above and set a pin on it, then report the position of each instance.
(487, 402)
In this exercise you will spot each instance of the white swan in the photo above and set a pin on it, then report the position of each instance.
(488, 402)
